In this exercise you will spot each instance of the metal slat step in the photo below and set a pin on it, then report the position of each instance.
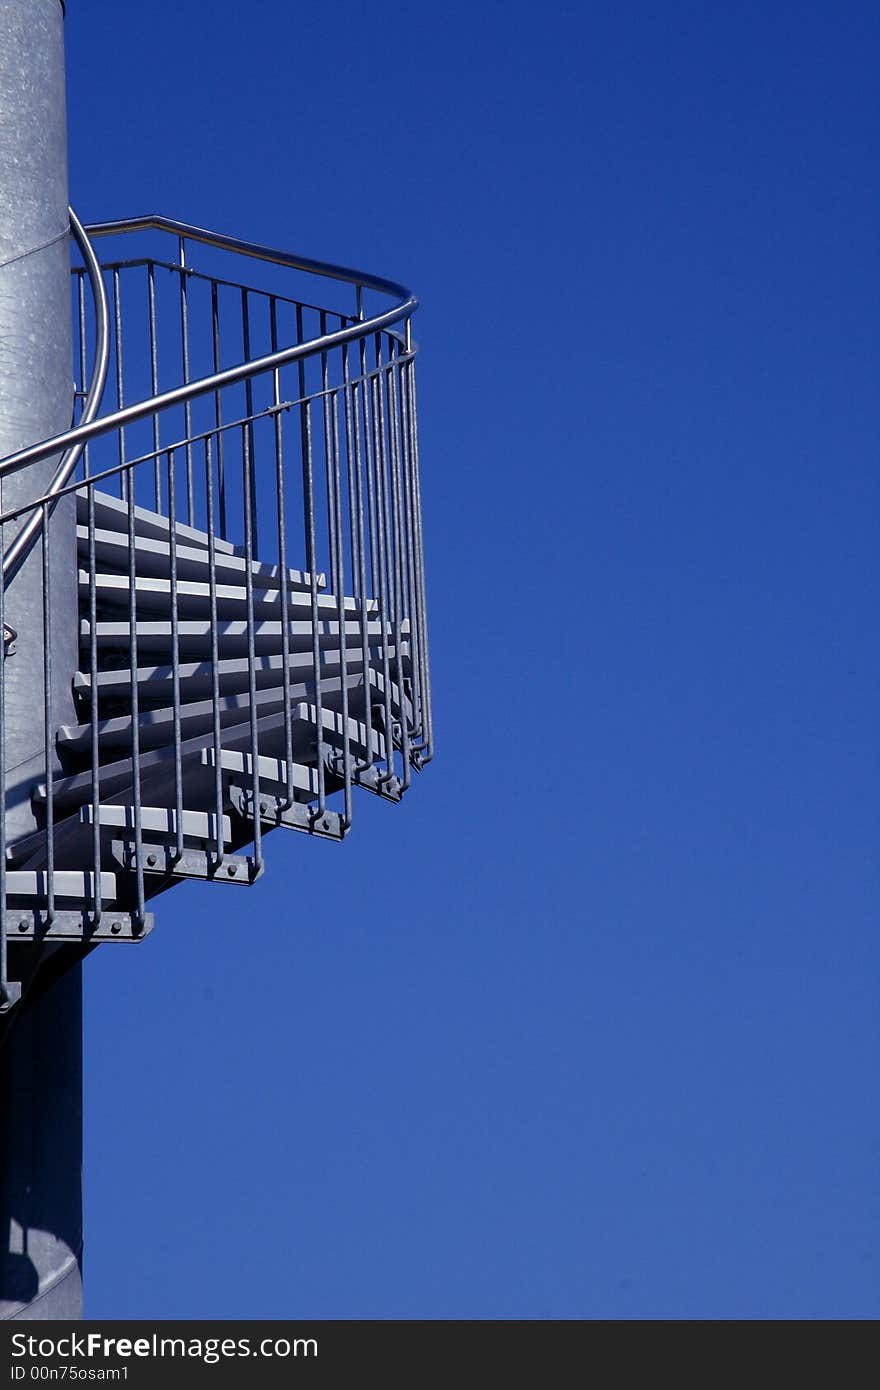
(154, 637)
(156, 726)
(161, 861)
(157, 769)
(111, 514)
(153, 561)
(193, 599)
(155, 683)
(27, 925)
(160, 822)
(68, 883)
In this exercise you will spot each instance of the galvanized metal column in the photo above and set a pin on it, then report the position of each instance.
(40, 1066)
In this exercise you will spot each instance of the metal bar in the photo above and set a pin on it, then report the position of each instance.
(151, 222)
(154, 382)
(380, 426)
(251, 652)
(120, 389)
(175, 647)
(81, 320)
(428, 753)
(47, 716)
(93, 710)
(311, 566)
(215, 651)
(135, 712)
(412, 612)
(218, 406)
(184, 349)
(399, 555)
(339, 587)
(249, 413)
(282, 560)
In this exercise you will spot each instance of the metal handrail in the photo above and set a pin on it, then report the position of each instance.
(26, 538)
(87, 430)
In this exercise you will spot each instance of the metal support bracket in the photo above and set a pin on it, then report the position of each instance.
(163, 862)
(273, 812)
(33, 924)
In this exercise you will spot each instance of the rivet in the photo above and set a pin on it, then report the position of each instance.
(231, 870)
(23, 924)
(116, 928)
(151, 860)
(263, 808)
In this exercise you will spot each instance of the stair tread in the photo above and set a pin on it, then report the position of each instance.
(153, 561)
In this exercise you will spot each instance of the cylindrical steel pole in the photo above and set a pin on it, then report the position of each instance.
(41, 1060)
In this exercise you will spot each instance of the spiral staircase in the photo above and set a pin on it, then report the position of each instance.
(233, 525)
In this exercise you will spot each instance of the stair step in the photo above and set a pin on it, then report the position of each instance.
(156, 726)
(193, 598)
(68, 883)
(157, 769)
(196, 679)
(111, 514)
(194, 637)
(160, 821)
(153, 561)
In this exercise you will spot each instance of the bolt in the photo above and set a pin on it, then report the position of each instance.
(23, 924)
(263, 808)
(116, 928)
(231, 869)
(152, 860)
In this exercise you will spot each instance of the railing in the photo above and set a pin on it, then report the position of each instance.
(249, 426)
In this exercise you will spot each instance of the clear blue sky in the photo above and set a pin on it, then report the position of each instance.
(587, 1028)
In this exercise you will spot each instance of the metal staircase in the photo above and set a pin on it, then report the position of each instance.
(237, 512)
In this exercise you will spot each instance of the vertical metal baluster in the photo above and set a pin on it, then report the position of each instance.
(47, 719)
(81, 318)
(369, 442)
(135, 715)
(420, 553)
(305, 411)
(252, 662)
(410, 598)
(187, 408)
(356, 511)
(93, 709)
(369, 445)
(339, 585)
(154, 381)
(419, 742)
(215, 652)
(175, 652)
(398, 556)
(4, 962)
(120, 389)
(249, 412)
(380, 426)
(218, 407)
(282, 558)
(325, 402)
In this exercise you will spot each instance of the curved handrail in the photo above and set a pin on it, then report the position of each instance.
(24, 541)
(86, 431)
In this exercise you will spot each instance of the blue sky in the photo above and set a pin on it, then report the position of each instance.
(587, 1027)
